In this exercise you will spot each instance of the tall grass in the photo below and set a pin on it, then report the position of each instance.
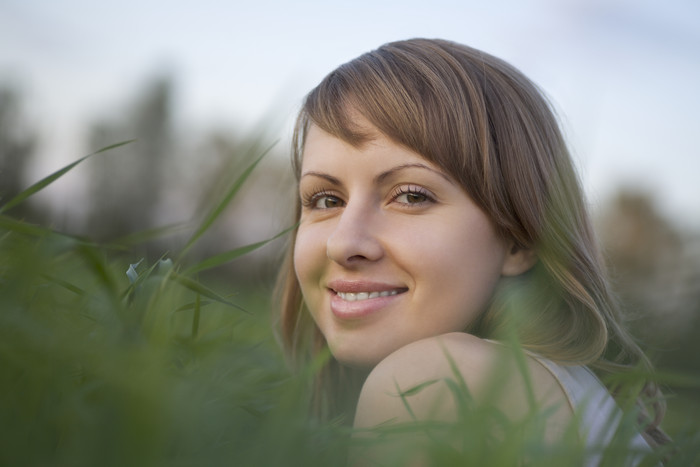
(107, 359)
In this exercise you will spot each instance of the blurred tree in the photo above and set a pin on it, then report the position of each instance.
(260, 210)
(125, 187)
(161, 179)
(656, 267)
(17, 144)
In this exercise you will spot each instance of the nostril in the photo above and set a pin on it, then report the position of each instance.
(356, 258)
(354, 239)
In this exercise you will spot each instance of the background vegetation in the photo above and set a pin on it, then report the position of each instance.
(124, 342)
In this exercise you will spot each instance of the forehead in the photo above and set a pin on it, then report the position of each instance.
(322, 149)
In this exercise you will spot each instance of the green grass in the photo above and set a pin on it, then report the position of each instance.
(155, 367)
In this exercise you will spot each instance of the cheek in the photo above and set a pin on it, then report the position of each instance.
(309, 254)
(459, 267)
(448, 248)
(310, 262)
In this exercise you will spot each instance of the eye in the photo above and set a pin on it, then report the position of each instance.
(411, 195)
(411, 198)
(326, 202)
(322, 200)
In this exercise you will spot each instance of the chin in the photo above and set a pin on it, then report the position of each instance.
(359, 357)
(353, 360)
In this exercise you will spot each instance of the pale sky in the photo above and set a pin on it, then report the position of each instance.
(623, 74)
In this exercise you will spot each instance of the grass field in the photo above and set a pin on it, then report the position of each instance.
(108, 359)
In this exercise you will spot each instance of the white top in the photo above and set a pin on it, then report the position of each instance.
(599, 413)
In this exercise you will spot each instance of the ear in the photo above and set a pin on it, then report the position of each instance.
(518, 260)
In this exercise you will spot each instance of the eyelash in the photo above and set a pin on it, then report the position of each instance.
(309, 201)
(412, 190)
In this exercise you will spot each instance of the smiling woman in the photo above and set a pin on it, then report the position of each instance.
(441, 218)
(370, 253)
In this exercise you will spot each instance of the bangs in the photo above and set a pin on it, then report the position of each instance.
(472, 115)
(337, 109)
(401, 94)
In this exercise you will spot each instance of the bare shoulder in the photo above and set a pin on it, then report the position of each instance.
(415, 376)
(412, 383)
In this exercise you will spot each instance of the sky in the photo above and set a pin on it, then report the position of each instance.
(622, 74)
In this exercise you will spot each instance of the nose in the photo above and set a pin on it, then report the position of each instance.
(354, 239)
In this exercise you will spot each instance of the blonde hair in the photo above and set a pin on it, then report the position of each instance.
(488, 126)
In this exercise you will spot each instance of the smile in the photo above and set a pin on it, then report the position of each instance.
(353, 300)
(359, 296)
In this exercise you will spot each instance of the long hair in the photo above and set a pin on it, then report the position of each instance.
(489, 127)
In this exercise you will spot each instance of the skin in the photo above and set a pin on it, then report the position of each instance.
(490, 373)
(381, 223)
(381, 219)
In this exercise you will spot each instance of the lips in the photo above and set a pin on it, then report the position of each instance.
(358, 299)
(359, 296)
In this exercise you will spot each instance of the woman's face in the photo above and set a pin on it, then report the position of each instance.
(390, 249)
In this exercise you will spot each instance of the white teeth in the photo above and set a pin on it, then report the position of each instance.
(354, 297)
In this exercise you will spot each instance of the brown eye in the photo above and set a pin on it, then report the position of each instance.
(411, 195)
(327, 202)
(411, 198)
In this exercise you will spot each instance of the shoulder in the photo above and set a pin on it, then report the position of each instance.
(444, 356)
(420, 381)
(416, 374)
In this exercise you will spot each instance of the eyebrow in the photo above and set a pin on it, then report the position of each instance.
(322, 175)
(382, 176)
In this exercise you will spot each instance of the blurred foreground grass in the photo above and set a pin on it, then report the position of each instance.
(107, 359)
(98, 372)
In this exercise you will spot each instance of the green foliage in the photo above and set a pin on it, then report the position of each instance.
(44, 182)
(215, 213)
(107, 360)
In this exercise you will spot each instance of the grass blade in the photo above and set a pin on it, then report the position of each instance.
(204, 291)
(24, 228)
(193, 305)
(219, 208)
(233, 254)
(418, 387)
(66, 285)
(150, 234)
(46, 181)
(406, 405)
(195, 317)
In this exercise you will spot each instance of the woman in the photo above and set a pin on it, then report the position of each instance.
(440, 216)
